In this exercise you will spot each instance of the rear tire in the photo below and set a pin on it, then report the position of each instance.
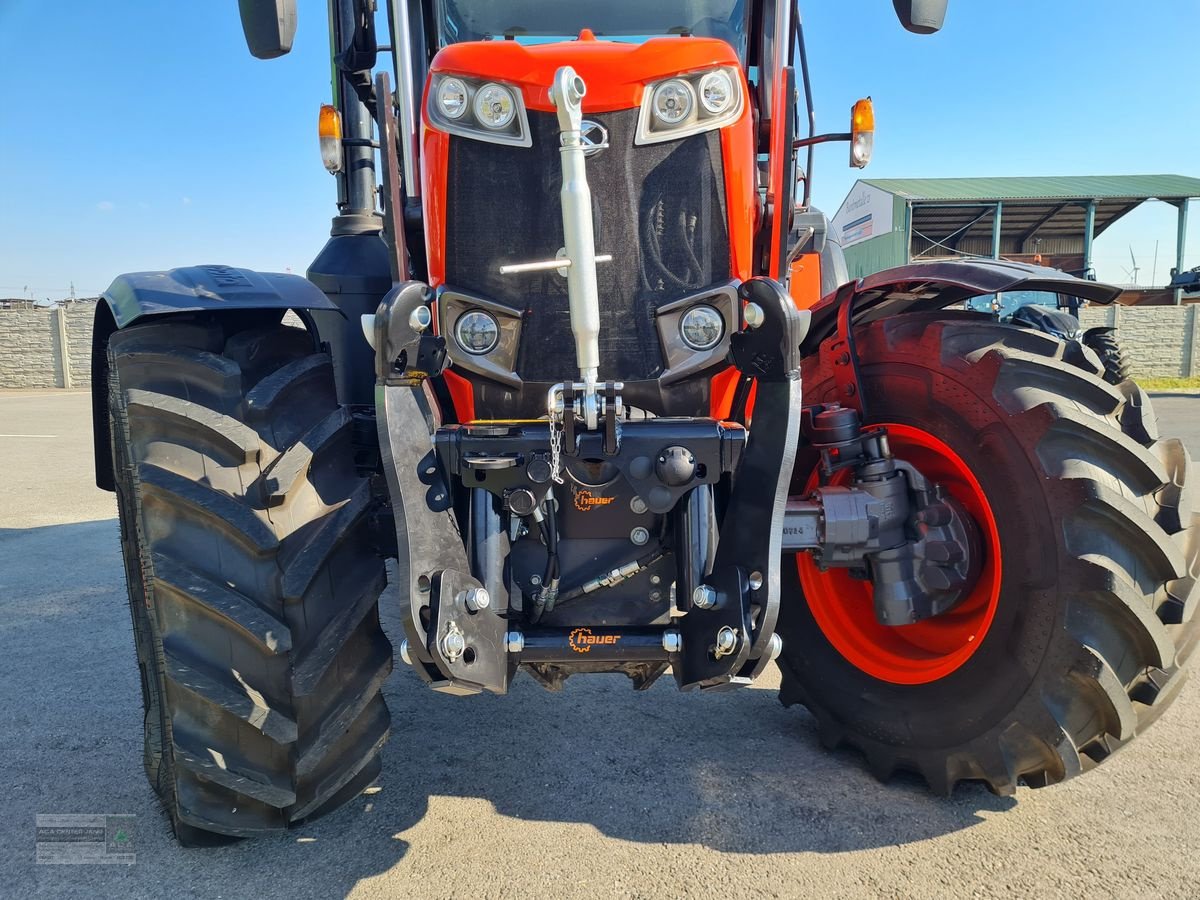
(1113, 355)
(1094, 616)
(253, 585)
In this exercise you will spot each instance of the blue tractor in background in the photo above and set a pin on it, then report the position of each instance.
(1058, 316)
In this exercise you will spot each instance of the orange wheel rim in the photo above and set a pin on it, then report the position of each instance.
(925, 651)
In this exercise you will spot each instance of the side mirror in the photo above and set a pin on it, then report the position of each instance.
(921, 16)
(269, 26)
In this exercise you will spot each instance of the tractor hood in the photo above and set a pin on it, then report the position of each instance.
(616, 72)
(936, 285)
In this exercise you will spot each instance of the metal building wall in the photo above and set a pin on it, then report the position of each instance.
(882, 251)
(982, 246)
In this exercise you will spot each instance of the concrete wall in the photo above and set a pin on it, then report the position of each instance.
(79, 341)
(1163, 341)
(46, 348)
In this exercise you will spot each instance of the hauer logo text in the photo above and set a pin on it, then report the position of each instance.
(586, 501)
(582, 640)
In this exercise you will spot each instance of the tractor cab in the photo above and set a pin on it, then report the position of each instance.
(458, 21)
(1057, 314)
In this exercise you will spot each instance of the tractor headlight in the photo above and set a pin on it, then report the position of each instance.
(688, 104)
(483, 110)
(673, 101)
(477, 332)
(702, 327)
(716, 91)
(452, 98)
(495, 106)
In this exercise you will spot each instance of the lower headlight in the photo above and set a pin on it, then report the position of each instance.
(479, 110)
(702, 327)
(477, 332)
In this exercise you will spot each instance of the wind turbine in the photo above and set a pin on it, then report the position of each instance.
(1132, 274)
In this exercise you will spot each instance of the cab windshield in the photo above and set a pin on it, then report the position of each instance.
(538, 21)
(1010, 301)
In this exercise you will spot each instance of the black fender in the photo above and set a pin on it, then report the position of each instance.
(144, 295)
(936, 285)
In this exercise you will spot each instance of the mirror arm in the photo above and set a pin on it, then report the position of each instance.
(822, 139)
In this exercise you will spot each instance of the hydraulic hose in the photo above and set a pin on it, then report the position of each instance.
(548, 595)
(610, 579)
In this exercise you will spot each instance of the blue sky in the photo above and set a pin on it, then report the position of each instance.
(141, 135)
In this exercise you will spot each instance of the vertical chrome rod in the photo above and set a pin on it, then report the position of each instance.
(567, 96)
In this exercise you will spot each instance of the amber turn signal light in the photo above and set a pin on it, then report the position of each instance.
(862, 133)
(329, 128)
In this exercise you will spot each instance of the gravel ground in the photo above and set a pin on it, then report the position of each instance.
(595, 792)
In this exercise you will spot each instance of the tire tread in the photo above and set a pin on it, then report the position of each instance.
(1128, 599)
(282, 593)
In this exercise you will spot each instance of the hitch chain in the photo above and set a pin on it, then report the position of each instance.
(556, 442)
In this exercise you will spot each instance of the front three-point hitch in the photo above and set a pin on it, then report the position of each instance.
(590, 540)
(479, 506)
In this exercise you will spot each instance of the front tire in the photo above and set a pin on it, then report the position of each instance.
(1113, 355)
(1083, 643)
(253, 585)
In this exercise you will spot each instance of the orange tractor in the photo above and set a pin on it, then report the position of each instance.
(592, 379)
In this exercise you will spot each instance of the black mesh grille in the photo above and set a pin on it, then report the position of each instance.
(659, 210)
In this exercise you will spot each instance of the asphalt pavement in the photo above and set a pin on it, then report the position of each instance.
(594, 792)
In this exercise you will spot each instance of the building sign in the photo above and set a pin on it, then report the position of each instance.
(865, 213)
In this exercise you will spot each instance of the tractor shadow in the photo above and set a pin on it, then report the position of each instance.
(734, 772)
(71, 742)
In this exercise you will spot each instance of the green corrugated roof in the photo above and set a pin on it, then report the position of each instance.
(1098, 187)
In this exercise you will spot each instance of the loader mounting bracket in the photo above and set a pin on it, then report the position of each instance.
(727, 643)
(431, 558)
